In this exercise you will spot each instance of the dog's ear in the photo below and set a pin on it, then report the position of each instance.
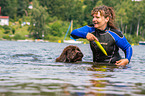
(69, 55)
(62, 57)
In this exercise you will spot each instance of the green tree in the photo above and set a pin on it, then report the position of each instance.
(112, 3)
(124, 15)
(55, 29)
(90, 4)
(22, 8)
(139, 15)
(9, 8)
(7, 29)
(65, 10)
(13, 30)
(38, 17)
(130, 16)
(99, 3)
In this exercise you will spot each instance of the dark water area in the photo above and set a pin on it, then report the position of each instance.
(29, 69)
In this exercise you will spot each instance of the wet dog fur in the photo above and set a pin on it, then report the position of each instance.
(70, 54)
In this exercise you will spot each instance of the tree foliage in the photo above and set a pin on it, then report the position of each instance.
(129, 14)
(38, 17)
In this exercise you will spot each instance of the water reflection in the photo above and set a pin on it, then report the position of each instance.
(97, 82)
(29, 69)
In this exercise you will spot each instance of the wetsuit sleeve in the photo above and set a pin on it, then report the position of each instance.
(82, 32)
(122, 43)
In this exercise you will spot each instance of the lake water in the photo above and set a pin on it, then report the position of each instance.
(29, 69)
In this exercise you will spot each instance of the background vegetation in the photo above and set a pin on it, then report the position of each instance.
(50, 19)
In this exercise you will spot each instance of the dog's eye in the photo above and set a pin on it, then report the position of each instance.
(78, 50)
(73, 49)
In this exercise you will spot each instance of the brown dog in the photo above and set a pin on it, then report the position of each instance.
(70, 54)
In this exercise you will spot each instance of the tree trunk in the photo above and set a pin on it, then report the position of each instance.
(122, 29)
(26, 12)
(130, 28)
(138, 26)
(126, 29)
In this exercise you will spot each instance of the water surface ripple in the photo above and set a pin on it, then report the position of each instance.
(29, 69)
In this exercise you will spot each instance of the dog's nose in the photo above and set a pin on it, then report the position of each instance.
(80, 54)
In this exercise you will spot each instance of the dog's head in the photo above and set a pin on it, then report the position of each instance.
(70, 54)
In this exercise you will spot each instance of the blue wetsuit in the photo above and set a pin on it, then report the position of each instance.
(110, 39)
